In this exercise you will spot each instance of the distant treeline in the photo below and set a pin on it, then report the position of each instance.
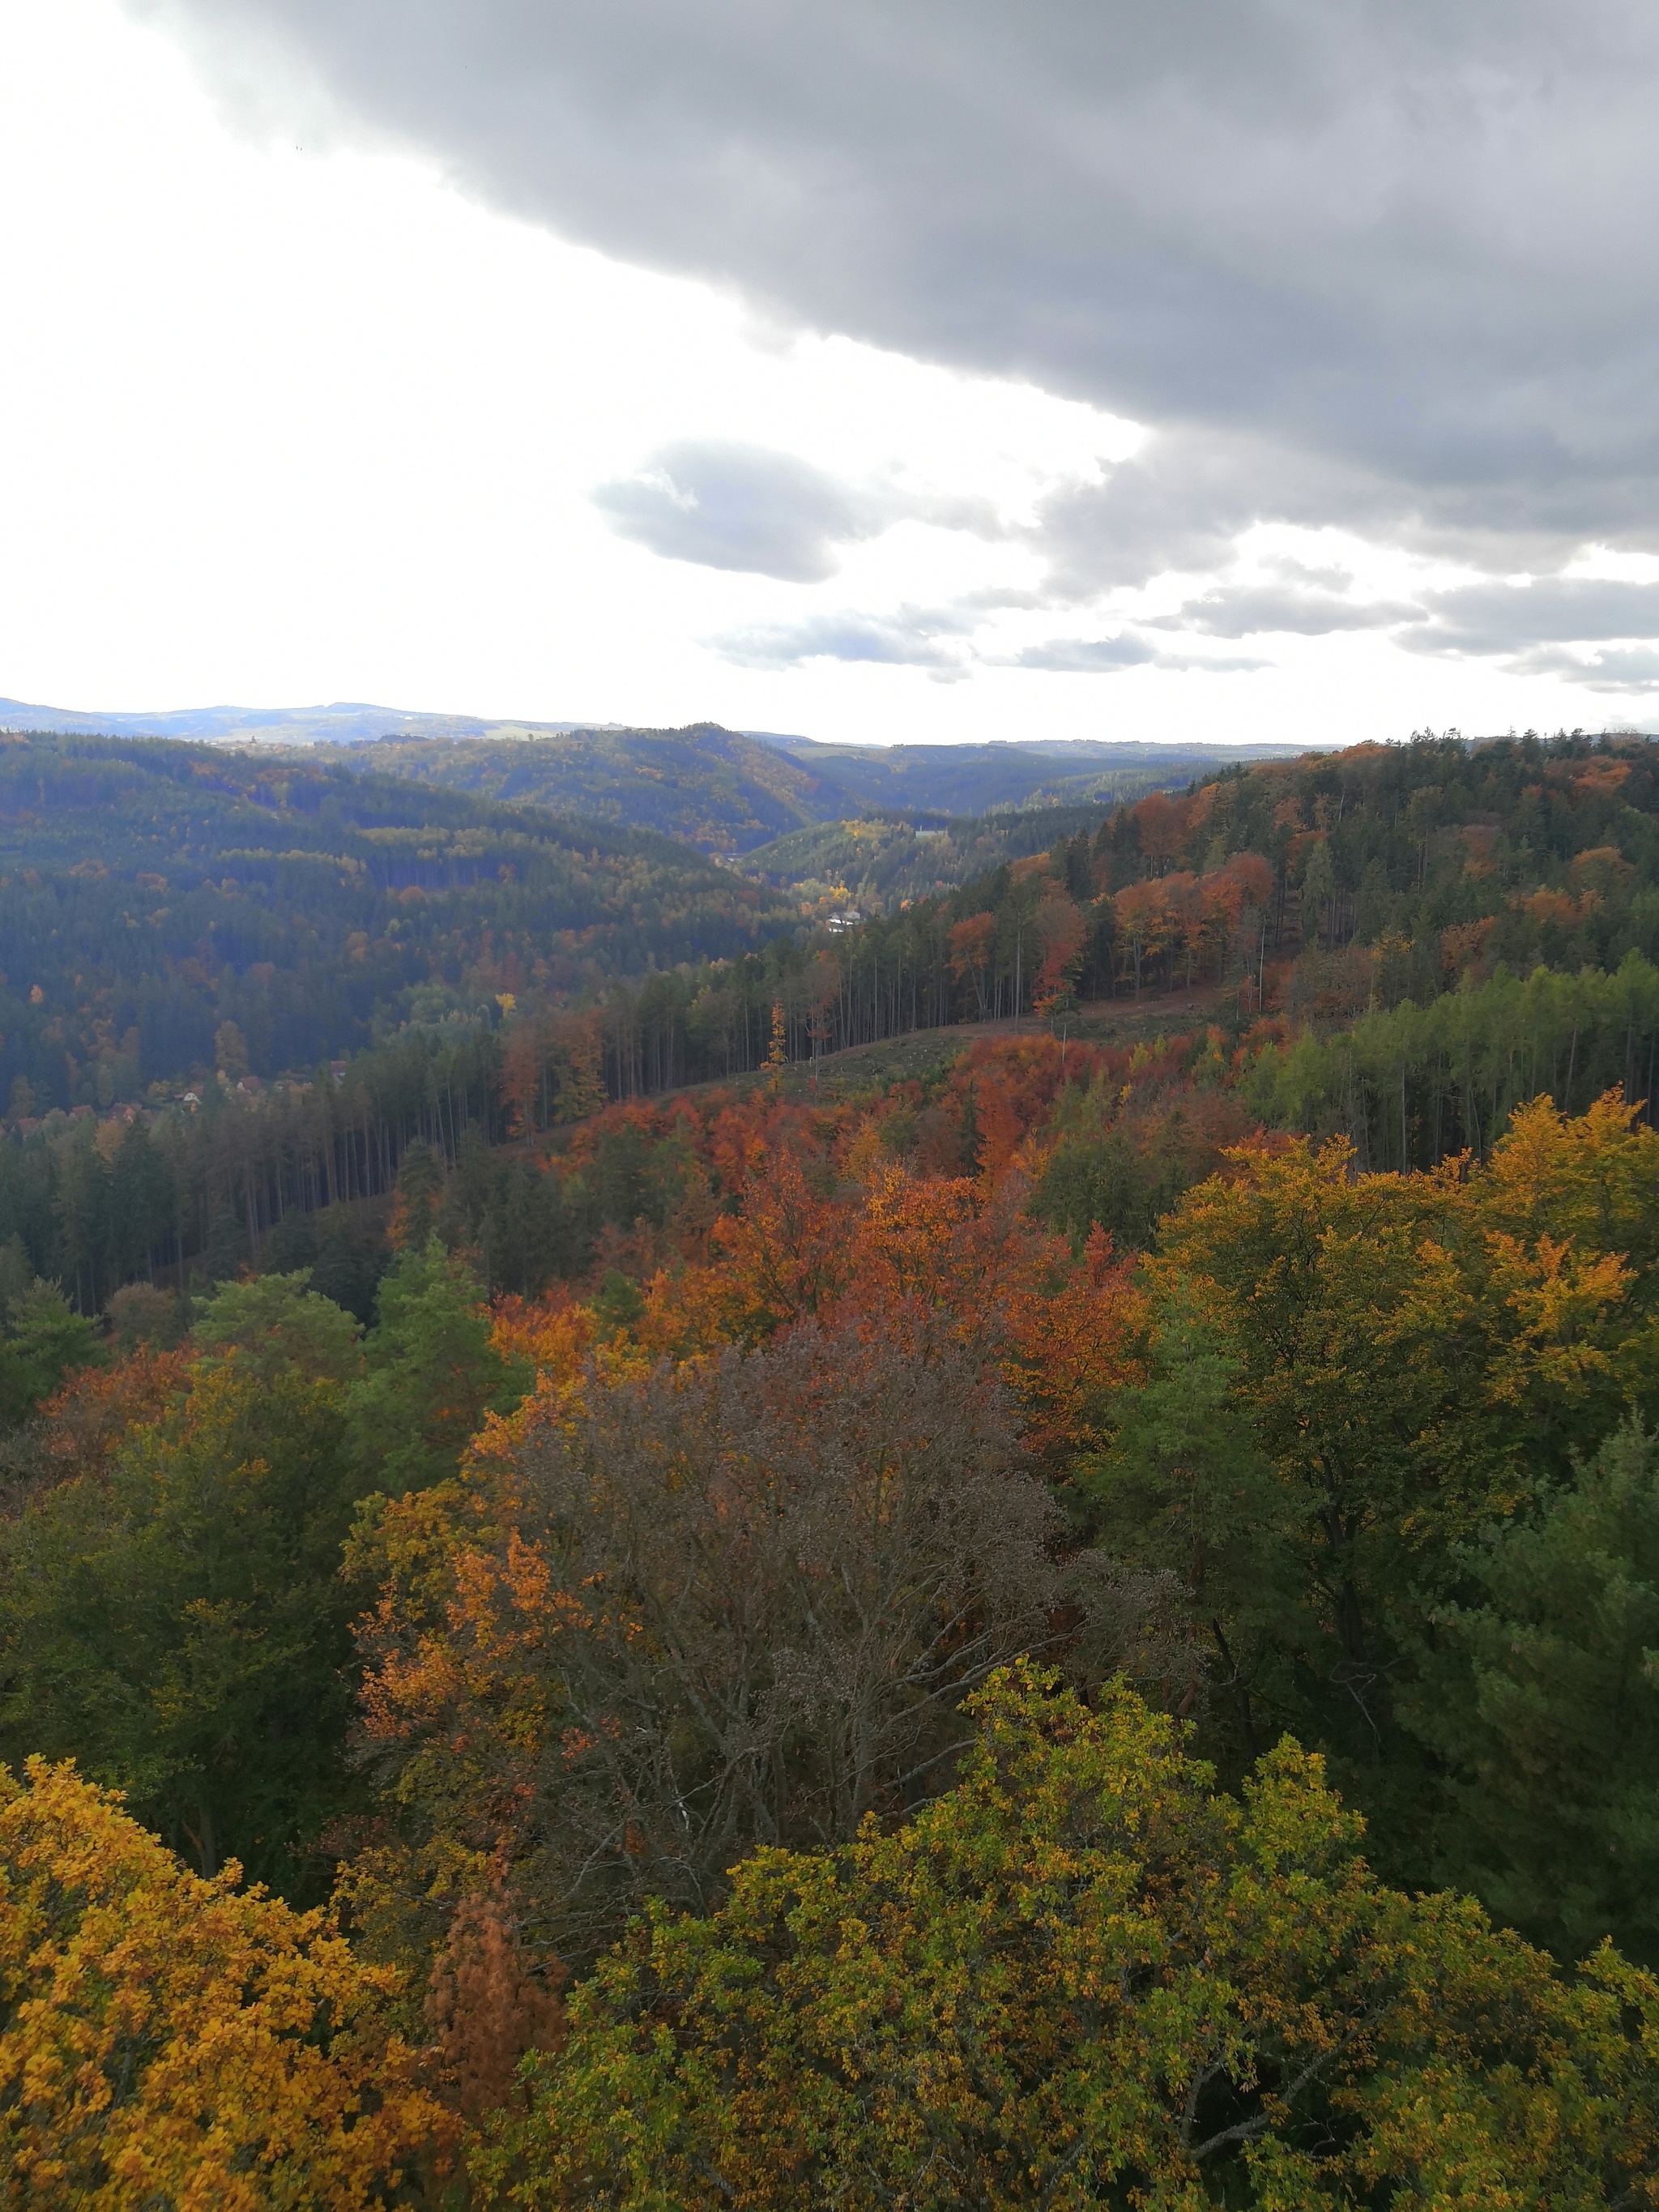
(1384, 874)
(280, 1181)
(151, 893)
(1379, 912)
(885, 856)
(165, 913)
(731, 793)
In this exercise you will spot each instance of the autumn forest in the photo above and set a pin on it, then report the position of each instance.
(679, 1538)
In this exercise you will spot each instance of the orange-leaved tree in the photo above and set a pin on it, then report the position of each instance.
(869, 1250)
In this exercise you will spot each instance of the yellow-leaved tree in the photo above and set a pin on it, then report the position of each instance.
(173, 2044)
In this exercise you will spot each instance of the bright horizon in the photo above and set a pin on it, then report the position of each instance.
(305, 403)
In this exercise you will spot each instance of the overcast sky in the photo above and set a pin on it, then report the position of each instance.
(897, 369)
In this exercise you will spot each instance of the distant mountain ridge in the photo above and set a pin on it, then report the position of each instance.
(727, 791)
(346, 722)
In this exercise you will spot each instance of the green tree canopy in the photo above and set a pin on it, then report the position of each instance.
(182, 1630)
(1539, 1696)
(432, 1371)
(275, 1324)
(1082, 1978)
(43, 1339)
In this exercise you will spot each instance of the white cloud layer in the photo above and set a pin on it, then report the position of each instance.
(797, 366)
(727, 504)
(1385, 262)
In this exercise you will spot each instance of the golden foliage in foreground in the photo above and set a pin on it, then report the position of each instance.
(173, 2044)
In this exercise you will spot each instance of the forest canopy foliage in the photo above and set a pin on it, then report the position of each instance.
(155, 896)
(1078, 1625)
(732, 791)
(1399, 943)
(1082, 1977)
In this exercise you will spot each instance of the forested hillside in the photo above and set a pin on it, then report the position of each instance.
(880, 861)
(1029, 772)
(1019, 1632)
(153, 896)
(714, 788)
(1411, 938)
(729, 792)
(1072, 1625)
(1397, 944)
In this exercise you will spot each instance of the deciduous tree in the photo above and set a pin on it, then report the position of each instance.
(175, 1620)
(168, 2041)
(697, 1610)
(1079, 1978)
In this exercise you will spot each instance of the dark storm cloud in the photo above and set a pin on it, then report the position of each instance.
(1379, 263)
(1505, 618)
(1523, 623)
(1629, 669)
(1141, 520)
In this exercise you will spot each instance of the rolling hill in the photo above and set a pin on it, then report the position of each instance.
(731, 791)
(725, 791)
(152, 892)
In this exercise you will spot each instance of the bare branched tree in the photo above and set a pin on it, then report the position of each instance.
(767, 1584)
(789, 1567)
(726, 1605)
